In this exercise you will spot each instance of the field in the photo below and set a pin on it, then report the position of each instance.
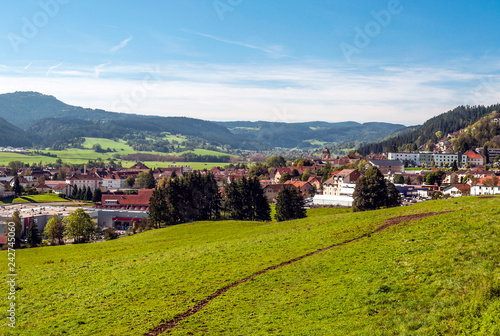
(434, 273)
(44, 198)
(81, 156)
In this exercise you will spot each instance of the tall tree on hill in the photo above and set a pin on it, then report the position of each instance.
(370, 192)
(33, 237)
(245, 200)
(289, 204)
(158, 208)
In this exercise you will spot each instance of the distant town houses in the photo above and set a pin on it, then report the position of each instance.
(13, 149)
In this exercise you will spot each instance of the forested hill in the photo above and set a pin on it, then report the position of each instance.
(53, 122)
(13, 136)
(446, 123)
(306, 134)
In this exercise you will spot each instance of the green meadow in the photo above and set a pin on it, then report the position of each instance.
(83, 155)
(438, 275)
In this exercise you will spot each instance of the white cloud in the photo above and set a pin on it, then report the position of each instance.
(298, 92)
(52, 68)
(122, 44)
(276, 51)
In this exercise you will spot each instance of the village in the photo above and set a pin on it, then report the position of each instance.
(327, 181)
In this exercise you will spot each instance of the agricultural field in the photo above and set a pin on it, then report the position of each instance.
(81, 156)
(432, 268)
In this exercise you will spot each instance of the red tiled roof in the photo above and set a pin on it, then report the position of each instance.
(60, 186)
(473, 155)
(142, 199)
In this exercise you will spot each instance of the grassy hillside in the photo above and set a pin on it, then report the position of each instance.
(436, 275)
(81, 156)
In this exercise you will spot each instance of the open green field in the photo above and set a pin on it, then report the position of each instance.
(44, 198)
(81, 156)
(438, 275)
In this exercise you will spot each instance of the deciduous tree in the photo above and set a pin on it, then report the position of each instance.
(55, 229)
(80, 226)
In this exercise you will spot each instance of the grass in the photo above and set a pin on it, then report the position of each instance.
(44, 198)
(83, 155)
(436, 276)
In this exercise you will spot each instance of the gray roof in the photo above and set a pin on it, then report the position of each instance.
(391, 163)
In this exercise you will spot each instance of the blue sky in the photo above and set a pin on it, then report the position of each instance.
(396, 61)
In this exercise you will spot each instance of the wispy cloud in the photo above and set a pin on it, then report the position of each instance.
(291, 91)
(122, 44)
(52, 68)
(98, 69)
(27, 67)
(276, 51)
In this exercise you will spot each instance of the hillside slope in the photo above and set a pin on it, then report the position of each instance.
(446, 123)
(434, 275)
(11, 135)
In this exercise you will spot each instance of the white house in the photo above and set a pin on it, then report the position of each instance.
(479, 190)
(114, 181)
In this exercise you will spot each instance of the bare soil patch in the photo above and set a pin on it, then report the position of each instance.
(168, 325)
(485, 197)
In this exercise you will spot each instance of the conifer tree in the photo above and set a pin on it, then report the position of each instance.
(97, 196)
(74, 192)
(289, 204)
(88, 195)
(33, 237)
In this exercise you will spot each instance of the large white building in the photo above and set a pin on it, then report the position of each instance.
(415, 157)
(478, 190)
(428, 158)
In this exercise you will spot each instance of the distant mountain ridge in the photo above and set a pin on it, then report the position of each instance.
(45, 120)
(291, 135)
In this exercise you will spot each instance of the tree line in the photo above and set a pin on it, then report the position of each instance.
(196, 197)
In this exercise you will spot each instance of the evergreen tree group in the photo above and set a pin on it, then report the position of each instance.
(373, 192)
(86, 194)
(245, 200)
(194, 197)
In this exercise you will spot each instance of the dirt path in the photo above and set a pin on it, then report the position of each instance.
(201, 304)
